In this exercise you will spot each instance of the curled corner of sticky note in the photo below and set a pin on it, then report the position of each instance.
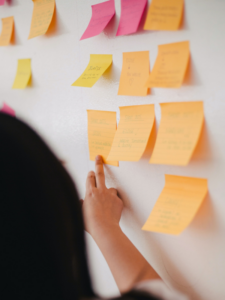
(97, 66)
(7, 110)
(102, 13)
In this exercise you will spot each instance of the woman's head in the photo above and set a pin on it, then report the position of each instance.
(42, 240)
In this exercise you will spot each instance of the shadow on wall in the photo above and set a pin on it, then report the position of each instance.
(56, 26)
(15, 40)
(191, 75)
(151, 143)
(184, 24)
(32, 82)
(112, 75)
(111, 28)
(205, 221)
(203, 150)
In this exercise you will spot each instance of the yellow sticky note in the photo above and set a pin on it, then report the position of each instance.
(177, 205)
(179, 131)
(133, 132)
(23, 74)
(7, 30)
(42, 16)
(101, 131)
(164, 15)
(98, 64)
(135, 72)
(170, 66)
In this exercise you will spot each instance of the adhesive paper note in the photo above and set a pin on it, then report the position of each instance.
(23, 74)
(170, 66)
(177, 204)
(98, 64)
(179, 131)
(135, 72)
(102, 13)
(2, 2)
(131, 14)
(7, 110)
(133, 132)
(164, 15)
(7, 30)
(42, 16)
(101, 131)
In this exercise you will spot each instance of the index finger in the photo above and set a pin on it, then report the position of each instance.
(99, 172)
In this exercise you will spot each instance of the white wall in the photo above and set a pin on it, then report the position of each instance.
(193, 262)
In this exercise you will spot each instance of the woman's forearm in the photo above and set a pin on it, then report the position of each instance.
(126, 263)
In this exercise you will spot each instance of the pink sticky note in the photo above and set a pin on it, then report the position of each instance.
(102, 13)
(131, 14)
(2, 2)
(8, 110)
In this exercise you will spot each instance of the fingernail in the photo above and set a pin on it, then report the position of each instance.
(98, 158)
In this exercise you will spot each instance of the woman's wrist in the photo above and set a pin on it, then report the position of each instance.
(104, 230)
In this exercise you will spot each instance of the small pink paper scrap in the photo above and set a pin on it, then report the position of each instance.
(2, 2)
(7, 110)
(131, 14)
(102, 13)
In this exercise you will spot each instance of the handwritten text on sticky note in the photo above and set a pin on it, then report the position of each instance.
(179, 131)
(23, 74)
(135, 72)
(101, 131)
(133, 132)
(164, 15)
(170, 66)
(98, 64)
(177, 204)
(131, 14)
(102, 13)
(42, 16)
(7, 30)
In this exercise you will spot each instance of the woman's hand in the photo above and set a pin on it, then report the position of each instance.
(101, 206)
(102, 210)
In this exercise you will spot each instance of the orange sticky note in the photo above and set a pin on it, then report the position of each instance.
(135, 72)
(177, 204)
(179, 131)
(101, 131)
(164, 15)
(133, 132)
(7, 30)
(42, 16)
(170, 66)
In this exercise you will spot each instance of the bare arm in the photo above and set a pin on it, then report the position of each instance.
(102, 210)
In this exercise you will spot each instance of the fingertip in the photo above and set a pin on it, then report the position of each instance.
(98, 159)
(91, 173)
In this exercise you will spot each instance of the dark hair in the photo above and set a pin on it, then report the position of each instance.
(43, 252)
